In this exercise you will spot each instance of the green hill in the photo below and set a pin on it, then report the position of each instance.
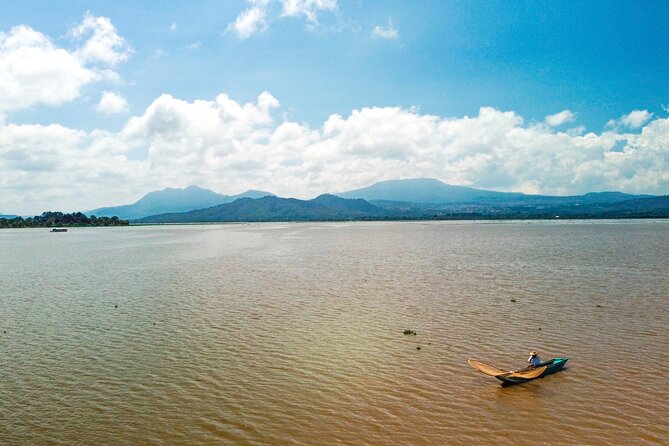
(271, 208)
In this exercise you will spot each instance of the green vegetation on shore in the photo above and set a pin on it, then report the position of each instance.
(54, 219)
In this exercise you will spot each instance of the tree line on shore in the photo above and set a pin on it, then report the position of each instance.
(53, 219)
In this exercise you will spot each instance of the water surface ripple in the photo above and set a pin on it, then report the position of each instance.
(292, 334)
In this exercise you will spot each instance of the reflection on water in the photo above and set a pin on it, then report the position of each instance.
(293, 333)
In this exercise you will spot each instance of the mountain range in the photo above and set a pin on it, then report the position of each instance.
(423, 199)
(420, 198)
(172, 200)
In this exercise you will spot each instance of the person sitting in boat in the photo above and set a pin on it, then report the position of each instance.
(534, 359)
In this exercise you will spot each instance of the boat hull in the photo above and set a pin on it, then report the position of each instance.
(552, 366)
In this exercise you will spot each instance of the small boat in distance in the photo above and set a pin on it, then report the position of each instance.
(520, 376)
(59, 230)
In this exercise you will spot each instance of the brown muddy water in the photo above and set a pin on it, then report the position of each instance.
(293, 334)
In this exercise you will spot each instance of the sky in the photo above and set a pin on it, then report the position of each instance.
(103, 102)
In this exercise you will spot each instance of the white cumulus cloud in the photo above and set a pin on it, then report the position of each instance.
(112, 103)
(634, 120)
(387, 32)
(308, 8)
(257, 17)
(250, 20)
(560, 118)
(102, 44)
(34, 70)
(231, 146)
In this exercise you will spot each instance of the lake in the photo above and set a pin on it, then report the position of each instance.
(292, 333)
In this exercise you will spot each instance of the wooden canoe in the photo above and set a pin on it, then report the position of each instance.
(522, 375)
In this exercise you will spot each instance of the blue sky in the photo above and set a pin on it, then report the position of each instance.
(328, 95)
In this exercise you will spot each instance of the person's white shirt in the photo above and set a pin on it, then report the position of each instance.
(534, 360)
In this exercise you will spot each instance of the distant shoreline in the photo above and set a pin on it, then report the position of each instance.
(399, 220)
(125, 223)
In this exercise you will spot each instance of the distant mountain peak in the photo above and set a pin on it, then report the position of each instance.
(171, 199)
(414, 180)
(433, 191)
(421, 190)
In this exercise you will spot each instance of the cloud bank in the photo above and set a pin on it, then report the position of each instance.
(230, 147)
